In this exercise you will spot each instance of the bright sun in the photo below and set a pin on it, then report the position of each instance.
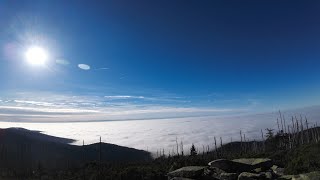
(36, 55)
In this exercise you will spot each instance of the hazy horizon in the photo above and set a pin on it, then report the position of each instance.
(142, 134)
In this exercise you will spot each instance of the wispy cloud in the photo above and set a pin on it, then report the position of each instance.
(69, 108)
(124, 97)
(103, 68)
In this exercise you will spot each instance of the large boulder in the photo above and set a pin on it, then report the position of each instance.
(263, 163)
(230, 166)
(250, 176)
(188, 172)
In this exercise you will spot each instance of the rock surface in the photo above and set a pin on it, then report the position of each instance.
(228, 176)
(249, 176)
(239, 169)
(188, 172)
(230, 166)
(277, 170)
(263, 163)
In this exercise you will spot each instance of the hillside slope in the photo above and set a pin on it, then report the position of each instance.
(21, 148)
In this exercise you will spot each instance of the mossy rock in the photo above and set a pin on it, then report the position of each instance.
(188, 172)
(257, 170)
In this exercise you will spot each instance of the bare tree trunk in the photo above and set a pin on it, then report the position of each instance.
(241, 142)
(221, 151)
(284, 124)
(298, 131)
(293, 133)
(181, 148)
(215, 146)
(278, 125)
(307, 125)
(289, 138)
(177, 146)
(317, 132)
(302, 134)
(281, 121)
(262, 137)
(244, 145)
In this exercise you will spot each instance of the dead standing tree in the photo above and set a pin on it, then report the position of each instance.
(241, 145)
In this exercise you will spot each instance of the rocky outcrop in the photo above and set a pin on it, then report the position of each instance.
(188, 172)
(230, 166)
(238, 169)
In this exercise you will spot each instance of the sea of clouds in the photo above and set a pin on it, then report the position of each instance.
(144, 122)
(157, 134)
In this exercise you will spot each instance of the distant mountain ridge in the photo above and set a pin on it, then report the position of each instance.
(20, 148)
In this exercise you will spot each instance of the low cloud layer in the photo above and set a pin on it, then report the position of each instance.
(161, 134)
(137, 121)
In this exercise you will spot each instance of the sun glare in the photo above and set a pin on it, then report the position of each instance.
(36, 55)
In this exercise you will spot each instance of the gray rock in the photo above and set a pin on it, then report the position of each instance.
(188, 172)
(207, 172)
(228, 176)
(277, 170)
(258, 170)
(216, 170)
(268, 175)
(230, 166)
(263, 163)
(274, 167)
(250, 176)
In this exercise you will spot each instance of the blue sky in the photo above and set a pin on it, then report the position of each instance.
(158, 59)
